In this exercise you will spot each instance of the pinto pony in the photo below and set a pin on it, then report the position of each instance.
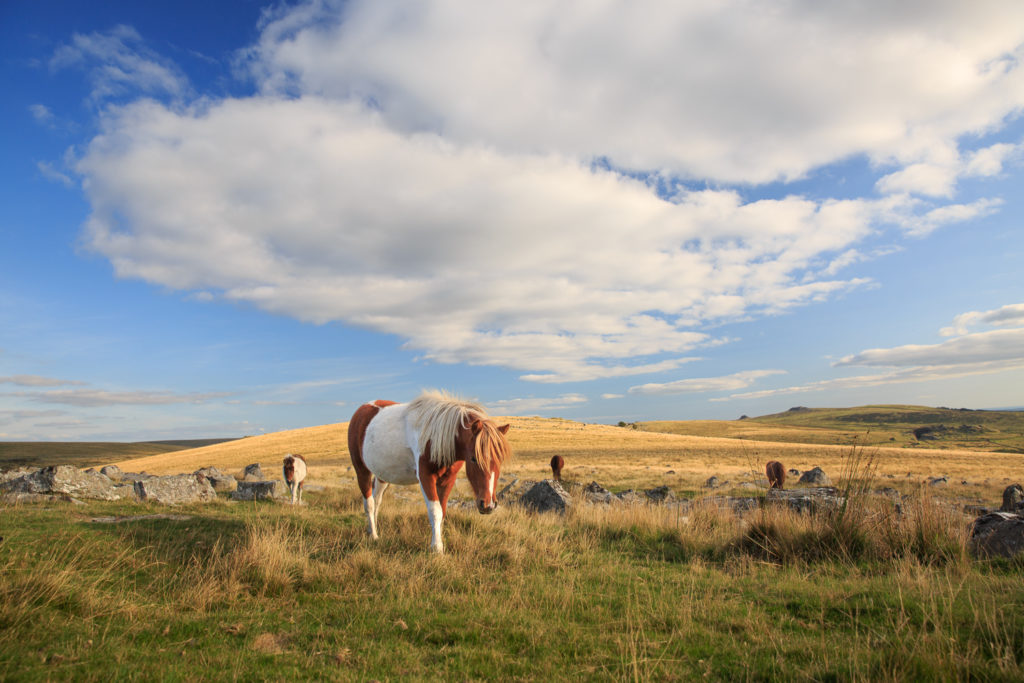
(294, 474)
(426, 441)
(776, 474)
(557, 463)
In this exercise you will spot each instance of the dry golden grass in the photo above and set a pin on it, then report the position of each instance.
(614, 456)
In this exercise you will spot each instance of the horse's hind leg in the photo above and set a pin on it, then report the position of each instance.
(372, 505)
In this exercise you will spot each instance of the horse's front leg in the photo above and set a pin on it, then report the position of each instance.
(428, 477)
(445, 484)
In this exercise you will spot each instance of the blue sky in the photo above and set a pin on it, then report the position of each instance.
(236, 218)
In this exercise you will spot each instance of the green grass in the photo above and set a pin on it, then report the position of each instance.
(877, 425)
(267, 591)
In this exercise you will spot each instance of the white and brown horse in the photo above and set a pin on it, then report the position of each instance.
(426, 441)
(294, 472)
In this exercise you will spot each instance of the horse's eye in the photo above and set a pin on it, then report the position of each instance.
(472, 459)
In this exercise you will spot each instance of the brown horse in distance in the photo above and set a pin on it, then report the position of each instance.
(557, 463)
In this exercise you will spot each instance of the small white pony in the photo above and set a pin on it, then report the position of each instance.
(294, 475)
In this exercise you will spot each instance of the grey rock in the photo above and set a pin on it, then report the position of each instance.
(794, 473)
(253, 472)
(222, 483)
(259, 490)
(112, 472)
(547, 496)
(595, 493)
(661, 494)
(136, 476)
(64, 479)
(22, 497)
(712, 483)
(806, 500)
(628, 496)
(1013, 498)
(16, 474)
(175, 489)
(998, 534)
(815, 477)
(937, 481)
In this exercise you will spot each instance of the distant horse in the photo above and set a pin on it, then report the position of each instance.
(557, 463)
(776, 474)
(426, 441)
(294, 474)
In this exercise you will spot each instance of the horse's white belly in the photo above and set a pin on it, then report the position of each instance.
(386, 449)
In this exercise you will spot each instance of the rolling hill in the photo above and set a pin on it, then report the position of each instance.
(874, 425)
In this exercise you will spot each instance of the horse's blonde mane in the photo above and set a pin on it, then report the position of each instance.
(438, 416)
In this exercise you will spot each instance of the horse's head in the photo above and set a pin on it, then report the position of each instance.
(484, 447)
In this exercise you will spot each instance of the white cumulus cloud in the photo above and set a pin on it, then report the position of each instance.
(547, 188)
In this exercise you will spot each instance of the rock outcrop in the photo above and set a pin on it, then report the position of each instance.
(175, 489)
(259, 490)
(999, 534)
(815, 477)
(547, 496)
(66, 480)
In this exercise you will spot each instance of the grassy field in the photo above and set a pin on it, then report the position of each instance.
(882, 425)
(266, 591)
(270, 592)
(15, 454)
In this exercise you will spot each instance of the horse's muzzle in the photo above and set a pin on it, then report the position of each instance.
(484, 509)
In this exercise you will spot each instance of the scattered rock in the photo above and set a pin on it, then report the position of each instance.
(595, 493)
(547, 496)
(712, 483)
(259, 490)
(112, 472)
(221, 483)
(15, 474)
(20, 497)
(175, 489)
(629, 497)
(661, 494)
(66, 480)
(253, 472)
(937, 481)
(807, 500)
(794, 473)
(998, 534)
(1013, 498)
(136, 476)
(816, 477)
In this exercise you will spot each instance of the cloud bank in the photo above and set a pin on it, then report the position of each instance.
(534, 187)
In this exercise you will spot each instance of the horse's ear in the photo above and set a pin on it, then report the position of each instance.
(504, 428)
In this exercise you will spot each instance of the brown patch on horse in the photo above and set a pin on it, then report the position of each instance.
(437, 480)
(557, 463)
(356, 435)
(776, 474)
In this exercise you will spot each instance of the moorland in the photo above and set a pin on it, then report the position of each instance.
(269, 591)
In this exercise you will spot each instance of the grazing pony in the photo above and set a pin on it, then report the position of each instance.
(776, 474)
(557, 463)
(294, 475)
(426, 441)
